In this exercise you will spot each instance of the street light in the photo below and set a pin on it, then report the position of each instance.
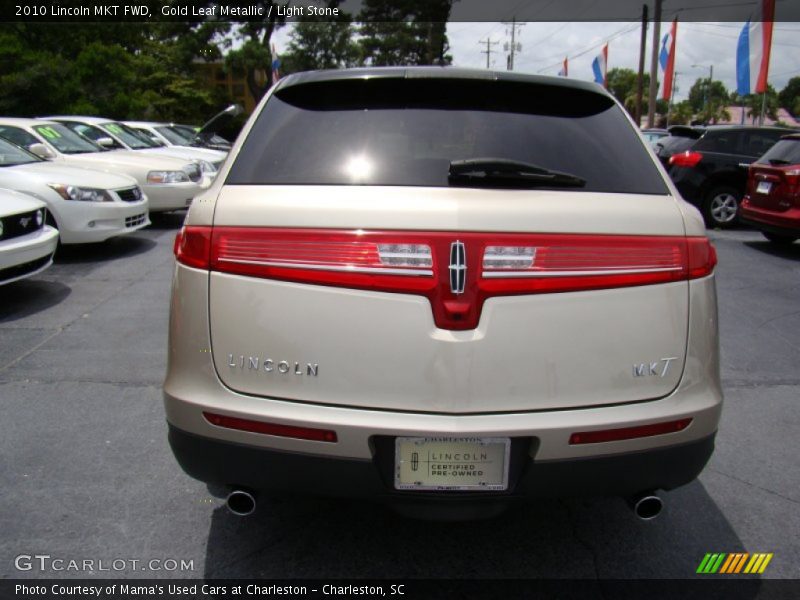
(707, 89)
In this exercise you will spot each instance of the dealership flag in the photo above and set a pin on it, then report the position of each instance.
(276, 64)
(564, 72)
(599, 66)
(666, 61)
(752, 52)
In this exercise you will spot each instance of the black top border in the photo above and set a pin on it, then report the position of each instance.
(71, 11)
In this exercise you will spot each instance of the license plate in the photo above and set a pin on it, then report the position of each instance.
(451, 464)
(763, 187)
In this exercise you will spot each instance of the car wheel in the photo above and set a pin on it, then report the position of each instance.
(779, 238)
(721, 207)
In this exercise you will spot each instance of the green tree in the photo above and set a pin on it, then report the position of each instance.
(681, 113)
(790, 96)
(704, 93)
(405, 32)
(118, 70)
(254, 56)
(754, 102)
(622, 85)
(321, 45)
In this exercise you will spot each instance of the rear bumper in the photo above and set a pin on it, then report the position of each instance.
(787, 222)
(233, 464)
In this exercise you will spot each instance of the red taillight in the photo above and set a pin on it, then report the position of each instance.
(489, 264)
(702, 257)
(302, 433)
(685, 159)
(193, 246)
(400, 262)
(628, 433)
(792, 177)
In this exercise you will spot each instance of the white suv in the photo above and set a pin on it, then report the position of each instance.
(447, 290)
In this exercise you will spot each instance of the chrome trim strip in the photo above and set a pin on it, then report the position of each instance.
(376, 270)
(499, 274)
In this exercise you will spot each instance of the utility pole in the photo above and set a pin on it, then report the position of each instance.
(488, 52)
(515, 46)
(640, 80)
(651, 104)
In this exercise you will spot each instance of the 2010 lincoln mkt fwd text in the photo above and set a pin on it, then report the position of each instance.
(443, 289)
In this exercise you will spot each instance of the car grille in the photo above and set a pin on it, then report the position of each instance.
(193, 171)
(25, 268)
(18, 225)
(135, 220)
(133, 194)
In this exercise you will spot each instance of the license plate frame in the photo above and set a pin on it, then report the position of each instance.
(449, 454)
(763, 187)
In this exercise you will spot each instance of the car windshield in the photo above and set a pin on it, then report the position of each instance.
(408, 133)
(173, 137)
(786, 152)
(11, 154)
(189, 133)
(128, 136)
(185, 131)
(66, 141)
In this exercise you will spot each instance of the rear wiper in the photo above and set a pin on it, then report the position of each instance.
(778, 161)
(500, 171)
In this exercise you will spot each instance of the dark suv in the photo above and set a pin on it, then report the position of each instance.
(711, 173)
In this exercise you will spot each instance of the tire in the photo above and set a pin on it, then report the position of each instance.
(779, 239)
(721, 207)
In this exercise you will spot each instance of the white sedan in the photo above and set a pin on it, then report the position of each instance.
(167, 135)
(169, 183)
(126, 138)
(86, 205)
(27, 244)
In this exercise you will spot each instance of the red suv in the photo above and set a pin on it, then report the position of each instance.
(772, 200)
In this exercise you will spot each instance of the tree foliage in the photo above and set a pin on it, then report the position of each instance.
(321, 45)
(117, 70)
(704, 93)
(754, 102)
(622, 84)
(405, 32)
(789, 96)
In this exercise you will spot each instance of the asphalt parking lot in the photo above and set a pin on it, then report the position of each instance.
(86, 473)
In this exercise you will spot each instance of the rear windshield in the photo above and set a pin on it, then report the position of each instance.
(405, 132)
(785, 152)
(673, 144)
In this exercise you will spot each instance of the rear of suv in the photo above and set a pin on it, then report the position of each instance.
(712, 172)
(772, 203)
(446, 290)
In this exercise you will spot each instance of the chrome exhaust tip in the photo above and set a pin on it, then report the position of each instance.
(241, 503)
(647, 506)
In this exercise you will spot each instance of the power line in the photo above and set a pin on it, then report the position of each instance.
(616, 34)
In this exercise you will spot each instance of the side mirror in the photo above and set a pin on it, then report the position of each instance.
(105, 142)
(41, 151)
